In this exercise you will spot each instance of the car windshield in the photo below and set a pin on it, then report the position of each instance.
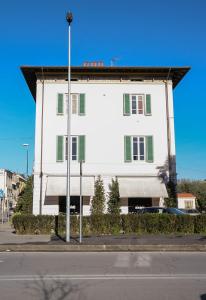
(172, 210)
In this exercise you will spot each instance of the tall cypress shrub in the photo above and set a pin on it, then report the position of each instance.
(98, 201)
(114, 198)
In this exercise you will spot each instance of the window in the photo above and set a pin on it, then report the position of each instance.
(74, 99)
(60, 104)
(74, 147)
(138, 148)
(137, 104)
(188, 204)
(77, 104)
(77, 148)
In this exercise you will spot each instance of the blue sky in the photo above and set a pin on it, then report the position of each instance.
(144, 33)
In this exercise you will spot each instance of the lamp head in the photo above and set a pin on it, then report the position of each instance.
(69, 17)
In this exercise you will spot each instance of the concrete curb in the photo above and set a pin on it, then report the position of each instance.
(100, 248)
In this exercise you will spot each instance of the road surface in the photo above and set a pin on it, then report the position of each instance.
(124, 275)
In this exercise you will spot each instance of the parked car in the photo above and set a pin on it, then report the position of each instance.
(162, 210)
(173, 211)
(191, 211)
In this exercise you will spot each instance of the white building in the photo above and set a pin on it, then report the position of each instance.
(186, 201)
(122, 126)
(18, 185)
(6, 187)
(12, 185)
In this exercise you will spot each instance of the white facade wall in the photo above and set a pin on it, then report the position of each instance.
(182, 202)
(6, 186)
(104, 127)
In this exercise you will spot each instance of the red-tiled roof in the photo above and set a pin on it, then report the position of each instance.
(185, 195)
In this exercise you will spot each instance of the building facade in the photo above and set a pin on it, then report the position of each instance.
(186, 201)
(122, 126)
(12, 185)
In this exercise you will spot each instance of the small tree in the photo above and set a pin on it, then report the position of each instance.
(98, 201)
(171, 201)
(114, 198)
(24, 203)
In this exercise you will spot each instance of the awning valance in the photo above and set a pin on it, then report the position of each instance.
(56, 186)
(145, 187)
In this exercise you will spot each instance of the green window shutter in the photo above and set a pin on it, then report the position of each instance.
(149, 149)
(81, 148)
(148, 109)
(126, 105)
(60, 147)
(82, 104)
(60, 104)
(127, 149)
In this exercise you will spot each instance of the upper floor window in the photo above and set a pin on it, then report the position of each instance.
(77, 148)
(137, 104)
(77, 104)
(75, 100)
(138, 148)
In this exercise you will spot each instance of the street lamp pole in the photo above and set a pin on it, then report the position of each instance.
(27, 158)
(69, 19)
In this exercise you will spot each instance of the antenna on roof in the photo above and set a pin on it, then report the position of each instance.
(113, 61)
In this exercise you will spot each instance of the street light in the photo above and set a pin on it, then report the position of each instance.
(27, 158)
(69, 19)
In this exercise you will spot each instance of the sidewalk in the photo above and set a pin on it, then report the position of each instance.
(7, 236)
(9, 241)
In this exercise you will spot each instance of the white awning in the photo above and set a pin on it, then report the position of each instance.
(141, 187)
(56, 186)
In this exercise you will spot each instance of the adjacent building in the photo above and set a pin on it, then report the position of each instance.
(186, 201)
(11, 185)
(122, 126)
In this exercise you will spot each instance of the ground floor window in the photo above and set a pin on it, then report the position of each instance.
(136, 203)
(74, 204)
(188, 204)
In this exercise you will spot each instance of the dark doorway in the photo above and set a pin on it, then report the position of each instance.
(74, 204)
(135, 203)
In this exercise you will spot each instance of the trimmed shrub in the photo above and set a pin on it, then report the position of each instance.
(97, 224)
(149, 223)
(86, 224)
(114, 198)
(200, 224)
(98, 201)
(30, 224)
(131, 224)
(111, 224)
(74, 225)
(167, 223)
(185, 224)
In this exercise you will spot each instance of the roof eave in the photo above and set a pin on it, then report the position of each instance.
(30, 73)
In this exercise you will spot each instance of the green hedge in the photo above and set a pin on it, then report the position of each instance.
(111, 224)
(30, 224)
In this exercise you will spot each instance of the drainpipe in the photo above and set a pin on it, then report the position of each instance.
(168, 128)
(41, 154)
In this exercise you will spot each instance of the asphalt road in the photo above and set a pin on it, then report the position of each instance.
(125, 275)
